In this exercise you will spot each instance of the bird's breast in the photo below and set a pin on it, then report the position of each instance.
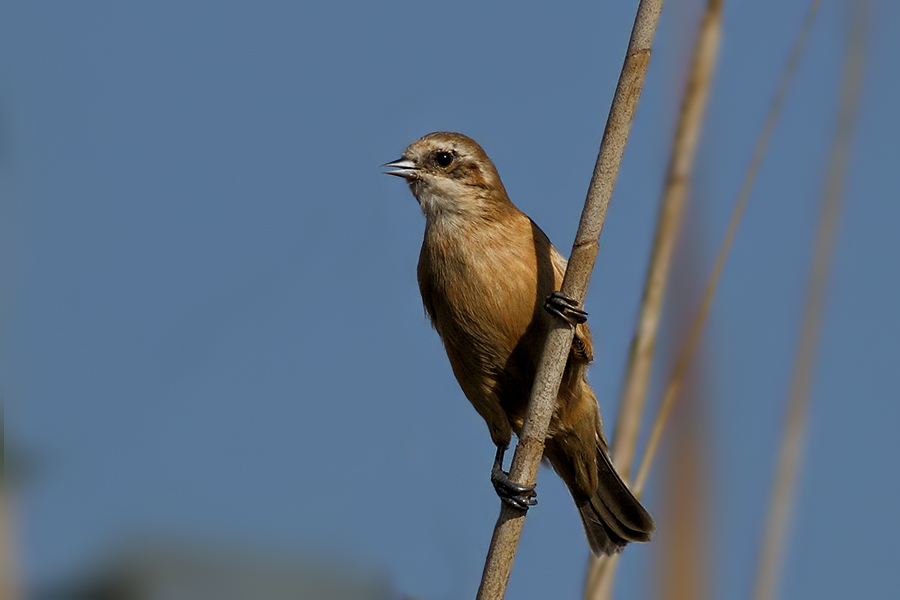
(480, 287)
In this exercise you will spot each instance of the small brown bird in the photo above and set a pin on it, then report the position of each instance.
(488, 277)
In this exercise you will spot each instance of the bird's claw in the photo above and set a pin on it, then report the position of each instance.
(514, 494)
(565, 308)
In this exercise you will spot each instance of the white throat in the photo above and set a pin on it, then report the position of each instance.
(445, 206)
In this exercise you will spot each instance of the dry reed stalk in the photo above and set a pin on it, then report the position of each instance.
(530, 447)
(598, 582)
(684, 358)
(682, 548)
(600, 575)
(784, 487)
(684, 146)
(684, 563)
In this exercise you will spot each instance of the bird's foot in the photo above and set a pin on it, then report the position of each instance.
(565, 308)
(514, 494)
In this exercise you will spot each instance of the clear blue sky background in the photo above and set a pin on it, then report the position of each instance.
(211, 324)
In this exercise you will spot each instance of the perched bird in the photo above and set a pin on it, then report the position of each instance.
(488, 277)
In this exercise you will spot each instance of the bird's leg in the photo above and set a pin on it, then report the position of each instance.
(515, 494)
(565, 308)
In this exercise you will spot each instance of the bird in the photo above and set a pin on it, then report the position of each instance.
(489, 280)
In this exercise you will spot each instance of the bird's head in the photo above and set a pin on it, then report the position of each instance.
(450, 175)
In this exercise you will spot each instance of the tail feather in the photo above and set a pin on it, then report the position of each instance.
(613, 517)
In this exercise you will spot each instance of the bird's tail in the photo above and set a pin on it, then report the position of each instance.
(613, 517)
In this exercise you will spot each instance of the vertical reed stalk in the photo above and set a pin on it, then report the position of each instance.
(682, 555)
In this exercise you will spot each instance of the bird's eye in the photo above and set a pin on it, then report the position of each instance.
(443, 159)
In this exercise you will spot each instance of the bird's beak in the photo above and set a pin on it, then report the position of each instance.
(403, 167)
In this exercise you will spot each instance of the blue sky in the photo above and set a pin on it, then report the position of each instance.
(211, 323)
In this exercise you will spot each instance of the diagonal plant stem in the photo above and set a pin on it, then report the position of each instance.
(784, 488)
(687, 352)
(530, 448)
(598, 582)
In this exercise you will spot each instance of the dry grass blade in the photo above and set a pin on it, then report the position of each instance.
(687, 352)
(783, 491)
(598, 582)
(530, 448)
